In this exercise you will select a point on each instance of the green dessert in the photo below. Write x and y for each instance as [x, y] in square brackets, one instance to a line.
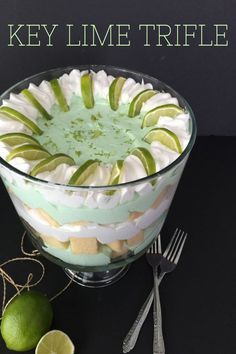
[84, 130]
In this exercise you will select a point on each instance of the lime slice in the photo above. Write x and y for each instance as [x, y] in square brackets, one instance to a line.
[28, 152]
[51, 163]
[168, 110]
[25, 320]
[30, 97]
[13, 139]
[12, 113]
[115, 92]
[165, 137]
[115, 175]
[87, 90]
[83, 172]
[59, 95]
[55, 342]
[146, 158]
[115, 172]
[138, 100]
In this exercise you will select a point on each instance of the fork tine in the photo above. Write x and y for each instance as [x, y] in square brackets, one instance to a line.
[174, 245]
[170, 243]
[155, 246]
[175, 249]
[180, 248]
[159, 243]
[151, 249]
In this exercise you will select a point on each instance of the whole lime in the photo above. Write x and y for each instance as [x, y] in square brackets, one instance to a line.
[25, 320]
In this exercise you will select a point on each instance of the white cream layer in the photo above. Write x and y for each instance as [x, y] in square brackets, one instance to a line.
[104, 234]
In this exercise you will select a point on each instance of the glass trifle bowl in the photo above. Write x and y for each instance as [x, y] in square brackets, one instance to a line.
[93, 230]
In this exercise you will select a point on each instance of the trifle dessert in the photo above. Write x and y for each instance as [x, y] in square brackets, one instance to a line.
[91, 158]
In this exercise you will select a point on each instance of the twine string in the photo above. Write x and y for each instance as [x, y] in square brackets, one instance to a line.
[29, 256]
[33, 253]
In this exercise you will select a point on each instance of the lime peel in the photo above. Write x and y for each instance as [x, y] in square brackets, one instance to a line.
[29, 152]
[51, 163]
[59, 95]
[25, 320]
[12, 113]
[87, 90]
[83, 172]
[115, 92]
[165, 137]
[170, 110]
[13, 139]
[30, 97]
[138, 100]
[115, 175]
[146, 158]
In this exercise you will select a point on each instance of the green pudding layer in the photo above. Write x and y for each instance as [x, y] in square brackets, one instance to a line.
[96, 133]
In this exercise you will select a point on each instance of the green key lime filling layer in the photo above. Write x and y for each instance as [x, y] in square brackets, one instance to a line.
[98, 133]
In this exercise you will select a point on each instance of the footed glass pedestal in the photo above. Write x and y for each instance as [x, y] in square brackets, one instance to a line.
[97, 279]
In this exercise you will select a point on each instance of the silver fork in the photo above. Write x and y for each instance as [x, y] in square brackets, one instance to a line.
[168, 263]
[132, 336]
[153, 256]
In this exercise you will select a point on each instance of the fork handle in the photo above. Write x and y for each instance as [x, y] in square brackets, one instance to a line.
[158, 341]
[132, 336]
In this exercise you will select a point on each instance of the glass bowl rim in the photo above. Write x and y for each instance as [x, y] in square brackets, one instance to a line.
[148, 178]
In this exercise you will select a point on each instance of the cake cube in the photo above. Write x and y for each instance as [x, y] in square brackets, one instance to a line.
[88, 245]
[136, 239]
[115, 254]
[117, 245]
[52, 241]
[135, 215]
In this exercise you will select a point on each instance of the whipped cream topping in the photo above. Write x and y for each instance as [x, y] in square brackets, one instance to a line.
[61, 174]
[8, 125]
[132, 88]
[43, 94]
[101, 84]
[133, 169]
[71, 85]
[20, 104]
[157, 100]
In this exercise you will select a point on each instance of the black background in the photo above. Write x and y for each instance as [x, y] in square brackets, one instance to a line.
[198, 299]
[205, 76]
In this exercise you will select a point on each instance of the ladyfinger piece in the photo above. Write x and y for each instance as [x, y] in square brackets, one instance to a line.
[117, 245]
[87, 245]
[135, 215]
[120, 253]
[136, 239]
[48, 218]
[52, 241]
[79, 223]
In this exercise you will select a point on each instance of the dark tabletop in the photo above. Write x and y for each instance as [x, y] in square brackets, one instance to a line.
[198, 298]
